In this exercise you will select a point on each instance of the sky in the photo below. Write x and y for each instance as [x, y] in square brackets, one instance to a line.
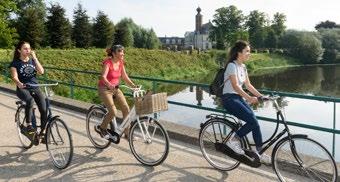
[175, 17]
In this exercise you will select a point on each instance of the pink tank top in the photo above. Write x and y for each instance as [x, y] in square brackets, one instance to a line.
[113, 76]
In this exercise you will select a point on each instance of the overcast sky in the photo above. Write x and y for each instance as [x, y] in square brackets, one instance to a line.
[175, 17]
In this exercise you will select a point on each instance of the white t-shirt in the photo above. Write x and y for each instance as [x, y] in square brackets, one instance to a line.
[234, 69]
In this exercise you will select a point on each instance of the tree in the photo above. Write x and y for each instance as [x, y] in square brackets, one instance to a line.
[8, 34]
[59, 27]
[255, 23]
[31, 26]
[124, 32]
[226, 23]
[144, 38]
[271, 39]
[278, 24]
[103, 30]
[305, 46]
[82, 30]
[331, 43]
[327, 24]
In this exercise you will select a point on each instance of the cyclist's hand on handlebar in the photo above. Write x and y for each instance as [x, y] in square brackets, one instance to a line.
[252, 100]
[263, 98]
[21, 85]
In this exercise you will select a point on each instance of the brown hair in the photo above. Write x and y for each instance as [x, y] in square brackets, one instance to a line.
[16, 54]
[238, 47]
[114, 49]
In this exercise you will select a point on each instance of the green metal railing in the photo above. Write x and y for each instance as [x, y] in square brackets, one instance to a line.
[155, 82]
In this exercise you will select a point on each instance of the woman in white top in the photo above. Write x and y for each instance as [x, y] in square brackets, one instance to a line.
[233, 96]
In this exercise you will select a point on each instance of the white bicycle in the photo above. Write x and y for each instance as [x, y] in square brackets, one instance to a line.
[148, 140]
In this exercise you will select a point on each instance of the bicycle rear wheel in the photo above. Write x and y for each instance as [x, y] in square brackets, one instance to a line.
[20, 120]
[303, 159]
[59, 143]
[149, 141]
[95, 117]
[211, 140]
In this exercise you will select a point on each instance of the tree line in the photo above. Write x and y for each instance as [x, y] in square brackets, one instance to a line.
[320, 46]
[48, 26]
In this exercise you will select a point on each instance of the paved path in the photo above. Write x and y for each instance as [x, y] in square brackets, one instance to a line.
[116, 163]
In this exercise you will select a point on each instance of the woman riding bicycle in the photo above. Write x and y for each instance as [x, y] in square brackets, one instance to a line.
[24, 68]
[233, 96]
[108, 87]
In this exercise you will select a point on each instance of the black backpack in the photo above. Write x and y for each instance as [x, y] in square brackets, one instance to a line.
[216, 87]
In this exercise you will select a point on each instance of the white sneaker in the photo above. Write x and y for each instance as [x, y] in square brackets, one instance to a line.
[235, 146]
[265, 159]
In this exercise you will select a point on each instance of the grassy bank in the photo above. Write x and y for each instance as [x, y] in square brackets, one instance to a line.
[139, 62]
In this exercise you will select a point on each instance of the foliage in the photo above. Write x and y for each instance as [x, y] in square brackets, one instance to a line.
[256, 22]
[327, 24]
[7, 34]
[124, 32]
[58, 27]
[304, 46]
[82, 30]
[103, 30]
[278, 24]
[31, 27]
[331, 43]
[227, 23]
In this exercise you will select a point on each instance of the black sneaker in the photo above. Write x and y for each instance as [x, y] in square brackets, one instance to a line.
[42, 139]
[30, 130]
[102, 132]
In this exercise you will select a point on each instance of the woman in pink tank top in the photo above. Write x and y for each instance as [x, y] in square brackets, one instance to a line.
[108, 87]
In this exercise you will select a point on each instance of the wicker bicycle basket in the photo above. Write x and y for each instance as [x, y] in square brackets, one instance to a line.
[151, 103]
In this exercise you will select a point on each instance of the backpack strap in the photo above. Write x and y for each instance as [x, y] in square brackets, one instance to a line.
[225, 81]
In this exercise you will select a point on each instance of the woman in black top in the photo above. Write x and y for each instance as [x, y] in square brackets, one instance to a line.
[24, 69]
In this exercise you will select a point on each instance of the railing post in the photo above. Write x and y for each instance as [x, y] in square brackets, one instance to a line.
[154, 85]
[334, 126]
[72, 87]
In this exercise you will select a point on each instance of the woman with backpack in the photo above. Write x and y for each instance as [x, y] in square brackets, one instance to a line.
[234, 98]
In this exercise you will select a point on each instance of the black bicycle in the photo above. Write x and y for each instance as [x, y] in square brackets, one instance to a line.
[295, 154]
[57, 136]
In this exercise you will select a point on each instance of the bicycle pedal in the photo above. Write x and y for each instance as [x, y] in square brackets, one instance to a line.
[114, 137]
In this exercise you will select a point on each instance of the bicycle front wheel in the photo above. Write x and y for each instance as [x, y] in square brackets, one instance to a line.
[94, 118]
[212, 139]
[59, 143]
[303, 159]
[149, 141]
[20, 120]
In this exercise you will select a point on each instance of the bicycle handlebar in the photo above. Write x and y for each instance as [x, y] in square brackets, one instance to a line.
[137, 92]
[268, 98]
[42, 85]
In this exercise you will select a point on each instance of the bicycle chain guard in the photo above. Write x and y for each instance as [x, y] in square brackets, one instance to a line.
[250, 158]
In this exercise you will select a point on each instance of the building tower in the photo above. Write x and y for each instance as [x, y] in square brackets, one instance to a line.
[199, 18]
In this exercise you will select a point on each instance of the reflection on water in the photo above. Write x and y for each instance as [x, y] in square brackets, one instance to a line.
[323, 81]
[316, 80]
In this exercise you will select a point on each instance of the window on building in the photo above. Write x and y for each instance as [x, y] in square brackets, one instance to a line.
[173, 41]
[167, 41]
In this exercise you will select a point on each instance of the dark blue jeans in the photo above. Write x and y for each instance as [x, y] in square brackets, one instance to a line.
[29, 96]
[236, 106]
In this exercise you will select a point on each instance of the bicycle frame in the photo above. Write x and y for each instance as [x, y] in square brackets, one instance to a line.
[132, 116]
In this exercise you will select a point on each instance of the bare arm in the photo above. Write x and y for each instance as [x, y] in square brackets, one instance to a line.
[251, 88]
[39, 67]
[103, 76]
[126, 78]
[15, 78]
[240, 91]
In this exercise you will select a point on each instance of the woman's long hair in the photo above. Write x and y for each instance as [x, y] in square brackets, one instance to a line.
[16, 54]
[238, 47]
